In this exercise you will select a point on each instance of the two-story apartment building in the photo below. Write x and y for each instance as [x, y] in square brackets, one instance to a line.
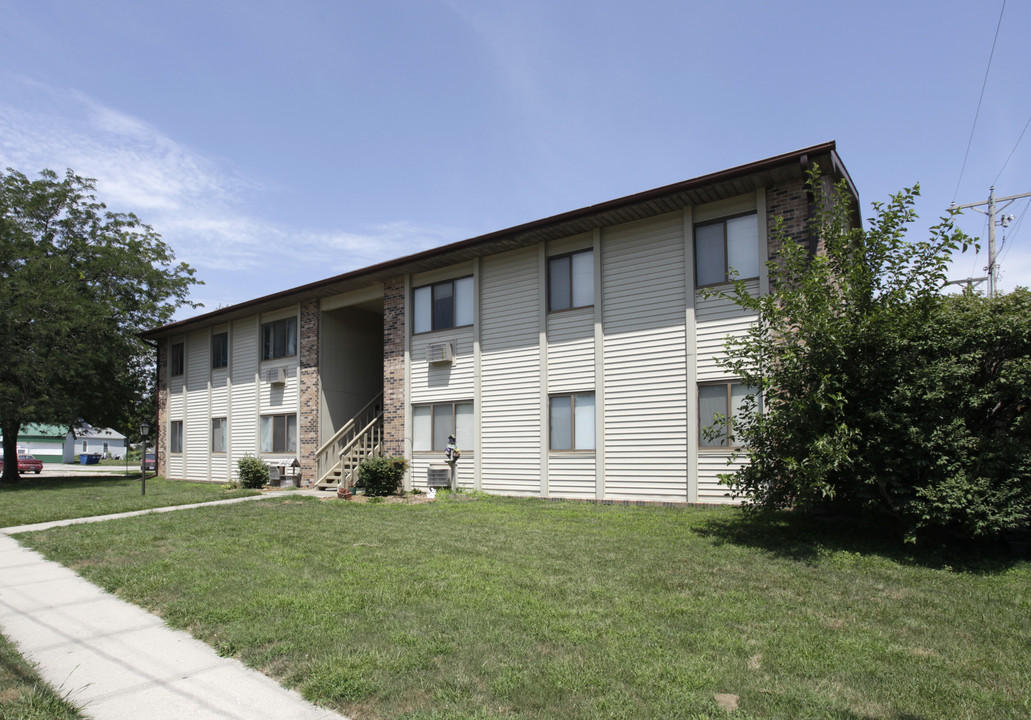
[573, 356]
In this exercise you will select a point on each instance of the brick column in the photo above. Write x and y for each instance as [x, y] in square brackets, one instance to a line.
[308, 422]
[159, 437]
[394, 366]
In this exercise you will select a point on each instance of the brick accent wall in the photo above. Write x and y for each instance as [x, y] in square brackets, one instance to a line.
[308, 430]
[159, 436]
[394, 366]
[790, 202]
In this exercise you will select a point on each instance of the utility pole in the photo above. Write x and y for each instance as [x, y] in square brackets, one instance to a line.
[993, 207]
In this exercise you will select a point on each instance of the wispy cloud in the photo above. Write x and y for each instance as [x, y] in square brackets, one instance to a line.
[201, 206]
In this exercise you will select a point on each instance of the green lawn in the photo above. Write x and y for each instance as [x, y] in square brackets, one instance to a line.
[23, 695]
[476, 607]
[42, 499]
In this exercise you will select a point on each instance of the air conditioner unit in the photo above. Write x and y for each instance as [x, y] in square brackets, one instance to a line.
[442, 352]
[276, 376]
[438, 476]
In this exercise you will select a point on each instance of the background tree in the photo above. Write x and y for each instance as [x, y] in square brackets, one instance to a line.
[77, 285]
[879, 394]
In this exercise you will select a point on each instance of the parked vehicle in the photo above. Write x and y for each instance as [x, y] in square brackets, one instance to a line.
[26, 464]
[150, 462]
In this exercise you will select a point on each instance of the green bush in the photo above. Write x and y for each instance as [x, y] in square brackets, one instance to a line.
[253, 472]
[380, 476]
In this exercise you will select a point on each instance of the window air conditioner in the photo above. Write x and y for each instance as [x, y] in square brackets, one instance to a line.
[277, 376]
[442, 352]
[438, 476]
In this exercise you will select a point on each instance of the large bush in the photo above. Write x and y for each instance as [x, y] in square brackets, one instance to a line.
[380, 476]
[252, 471]
[879, 394]
[958, 422]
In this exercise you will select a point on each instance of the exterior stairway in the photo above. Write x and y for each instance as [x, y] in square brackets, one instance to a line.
[361, 437]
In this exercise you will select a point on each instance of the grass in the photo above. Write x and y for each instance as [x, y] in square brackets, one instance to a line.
[42, 499]
[477, 607]
[23, 695]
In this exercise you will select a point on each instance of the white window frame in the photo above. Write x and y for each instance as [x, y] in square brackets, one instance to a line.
[582, 441]
[220, 360]
[578, 291]
[175, 436]
[268, 338]
[750, 248]
[219, 434]
[273, 418]
[424, 318]
[729, 411]
[436, 444]
[177, 359]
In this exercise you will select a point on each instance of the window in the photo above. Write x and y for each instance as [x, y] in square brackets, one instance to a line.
[725, 245]
[218, 435]
[175, 436]
[178, 359]
[571, 281]
[443, 305]
[279, 433]
[431, 424]
[571, 422]
[220, 350]
[719, 406]
[279, 339]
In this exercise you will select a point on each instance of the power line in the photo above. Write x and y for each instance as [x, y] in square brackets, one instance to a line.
[984, 84]
[1016, 228]
[1013, 150]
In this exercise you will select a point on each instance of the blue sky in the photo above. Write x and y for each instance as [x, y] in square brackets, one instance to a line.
[274, 144]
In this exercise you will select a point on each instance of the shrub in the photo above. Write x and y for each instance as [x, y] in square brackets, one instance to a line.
[380, 476]
[253, 472]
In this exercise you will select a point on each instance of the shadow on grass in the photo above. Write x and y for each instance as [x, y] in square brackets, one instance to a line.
[63, 482]
[807, 538]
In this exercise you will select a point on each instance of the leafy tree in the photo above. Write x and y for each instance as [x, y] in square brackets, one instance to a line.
[77, 284]
[874, 394]
[959, 414]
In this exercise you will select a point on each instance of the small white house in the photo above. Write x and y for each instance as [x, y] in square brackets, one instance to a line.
[94, 441]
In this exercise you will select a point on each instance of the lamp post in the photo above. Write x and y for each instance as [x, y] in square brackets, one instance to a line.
[144, 430]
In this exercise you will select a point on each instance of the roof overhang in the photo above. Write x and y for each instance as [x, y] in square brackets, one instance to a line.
[697, 191]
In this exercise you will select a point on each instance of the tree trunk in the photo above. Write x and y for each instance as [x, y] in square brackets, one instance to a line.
[10, 429]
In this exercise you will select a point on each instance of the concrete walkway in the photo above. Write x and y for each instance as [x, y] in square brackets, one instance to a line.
[119, 662]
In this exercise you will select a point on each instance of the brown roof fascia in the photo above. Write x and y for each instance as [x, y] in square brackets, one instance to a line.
[643, 204]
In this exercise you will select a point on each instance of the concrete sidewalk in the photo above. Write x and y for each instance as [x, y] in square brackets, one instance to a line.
[119, 662]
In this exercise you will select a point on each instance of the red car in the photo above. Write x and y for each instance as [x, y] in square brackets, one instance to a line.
[26, 464]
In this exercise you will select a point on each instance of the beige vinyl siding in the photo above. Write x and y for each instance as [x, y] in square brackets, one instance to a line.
[196, 430]
[243, 425]
[644, 360]
[279, 399]
[441, 382]
[715, 319]
[710, 466]
[571, 475]
[571, 350]
[510, 440]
